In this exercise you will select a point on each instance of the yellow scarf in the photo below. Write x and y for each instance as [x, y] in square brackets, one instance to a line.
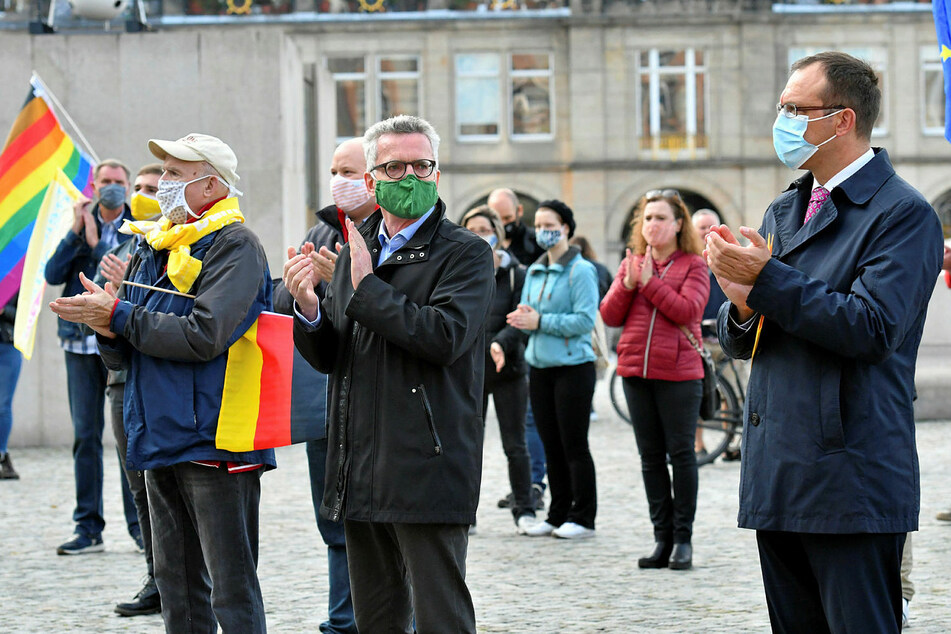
[183, 269]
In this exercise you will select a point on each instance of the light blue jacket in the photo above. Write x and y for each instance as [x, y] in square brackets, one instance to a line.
[565, 294]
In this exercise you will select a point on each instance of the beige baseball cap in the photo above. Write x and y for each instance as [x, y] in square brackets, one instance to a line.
[200, 147]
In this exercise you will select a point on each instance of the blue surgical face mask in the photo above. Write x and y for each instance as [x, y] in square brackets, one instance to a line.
[547, 238]
[789, 139]
[112, 196]
[492, 239]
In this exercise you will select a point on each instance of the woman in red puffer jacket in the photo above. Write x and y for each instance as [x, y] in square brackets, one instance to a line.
[661, 285]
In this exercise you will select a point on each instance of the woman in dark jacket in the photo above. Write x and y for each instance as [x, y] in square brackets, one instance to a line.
[505, 368]
[662, 287]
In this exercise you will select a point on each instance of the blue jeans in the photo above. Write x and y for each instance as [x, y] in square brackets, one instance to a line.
[10, 361]
[86, 382]
[536, 450]
[205, 545]
[339, 602]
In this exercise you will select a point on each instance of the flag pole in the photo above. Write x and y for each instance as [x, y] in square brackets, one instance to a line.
[69, 119]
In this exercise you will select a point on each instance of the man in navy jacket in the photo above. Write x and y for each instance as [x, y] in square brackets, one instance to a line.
[95, 231]
[829, 476]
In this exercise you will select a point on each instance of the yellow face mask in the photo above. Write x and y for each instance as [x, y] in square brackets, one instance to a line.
[144, 206]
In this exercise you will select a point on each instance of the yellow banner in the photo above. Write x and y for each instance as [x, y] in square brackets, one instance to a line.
[52, 223]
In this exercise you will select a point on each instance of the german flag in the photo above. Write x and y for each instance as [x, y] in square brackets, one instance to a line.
[256, 399]
[36, 147]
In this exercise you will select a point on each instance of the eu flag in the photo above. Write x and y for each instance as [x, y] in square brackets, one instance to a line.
[942, 12]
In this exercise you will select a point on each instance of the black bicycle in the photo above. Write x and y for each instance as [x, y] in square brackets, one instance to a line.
[723, 431]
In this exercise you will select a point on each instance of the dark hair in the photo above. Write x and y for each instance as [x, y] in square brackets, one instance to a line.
[563, 210]
[151, 168]
[587, 251]
[688, 240]
[852, 83]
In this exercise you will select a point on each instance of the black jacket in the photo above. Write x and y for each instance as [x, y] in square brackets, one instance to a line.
[307, 402]
[508, 292]
[523, 245]
[406, 356]
[7, 317]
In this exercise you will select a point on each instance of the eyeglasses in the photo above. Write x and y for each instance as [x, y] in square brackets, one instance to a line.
[791, 110]
[395, 169]
[656, 194]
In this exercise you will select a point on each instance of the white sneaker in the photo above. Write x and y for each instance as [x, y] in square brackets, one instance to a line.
[538, 529]
[570, 530]
[905, 612]
[524, 523]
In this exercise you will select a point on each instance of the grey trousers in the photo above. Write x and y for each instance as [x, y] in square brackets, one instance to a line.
[205, 539]
[399, 572]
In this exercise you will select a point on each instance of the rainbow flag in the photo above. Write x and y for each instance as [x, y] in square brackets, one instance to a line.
[52, 223]
[36, 147]
[256, 399]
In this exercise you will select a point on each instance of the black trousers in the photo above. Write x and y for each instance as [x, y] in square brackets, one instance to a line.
[819, 583]
[664, 416]
[561, 401]
[510, 398]
[402, 571]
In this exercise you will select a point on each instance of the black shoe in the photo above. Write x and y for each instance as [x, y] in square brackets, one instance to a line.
[147, 601]
[507, 501]
[538, 497]
[658, 558]
[731, 455]
[7, 472]
[682, 557]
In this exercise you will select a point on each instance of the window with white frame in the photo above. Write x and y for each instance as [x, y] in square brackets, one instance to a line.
[478, 103]
[932, 88]
[398, 88]
[875, 56]
[371, 89]
[528, 102]
[672, 98]
[531, 95]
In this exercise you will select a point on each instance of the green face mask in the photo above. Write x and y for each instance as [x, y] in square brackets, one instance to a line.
[406, 198]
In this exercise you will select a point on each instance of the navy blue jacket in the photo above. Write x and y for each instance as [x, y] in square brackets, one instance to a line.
[176, 348]
[829, 444]
[72, 257]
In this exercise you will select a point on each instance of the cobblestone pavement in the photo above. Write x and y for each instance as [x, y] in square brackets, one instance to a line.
[518, 584]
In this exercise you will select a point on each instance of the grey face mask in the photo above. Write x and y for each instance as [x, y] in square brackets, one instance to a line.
[112, 196]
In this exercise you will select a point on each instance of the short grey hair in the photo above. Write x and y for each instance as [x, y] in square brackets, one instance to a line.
[706, 212]
[400, 124]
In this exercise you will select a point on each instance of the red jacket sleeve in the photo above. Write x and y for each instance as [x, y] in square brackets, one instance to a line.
[617, 302]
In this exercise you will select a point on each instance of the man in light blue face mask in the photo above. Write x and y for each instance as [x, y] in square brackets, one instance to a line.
[829, 302]
[94, 232]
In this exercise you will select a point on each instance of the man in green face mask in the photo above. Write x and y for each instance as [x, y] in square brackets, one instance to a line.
[400, 331]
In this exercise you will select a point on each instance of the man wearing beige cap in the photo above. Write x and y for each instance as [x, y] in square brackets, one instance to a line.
[207, 283]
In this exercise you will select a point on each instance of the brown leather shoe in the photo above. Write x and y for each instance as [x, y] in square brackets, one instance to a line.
[944, 516]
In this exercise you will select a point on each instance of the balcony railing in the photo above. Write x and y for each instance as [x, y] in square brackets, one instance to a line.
[17, 13]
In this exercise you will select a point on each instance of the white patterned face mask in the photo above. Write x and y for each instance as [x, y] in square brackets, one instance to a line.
[348, 194]
[171, 199]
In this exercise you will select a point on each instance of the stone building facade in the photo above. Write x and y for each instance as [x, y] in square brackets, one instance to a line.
[593, 102]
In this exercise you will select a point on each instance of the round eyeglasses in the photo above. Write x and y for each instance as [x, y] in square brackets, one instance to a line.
[791, 110]
[396, 169]
[656, 194]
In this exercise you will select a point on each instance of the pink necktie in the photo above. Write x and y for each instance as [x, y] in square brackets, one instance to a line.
[819, 195]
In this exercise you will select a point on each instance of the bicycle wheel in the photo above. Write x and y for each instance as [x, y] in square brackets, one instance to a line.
[617, 397]
[719, 430]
